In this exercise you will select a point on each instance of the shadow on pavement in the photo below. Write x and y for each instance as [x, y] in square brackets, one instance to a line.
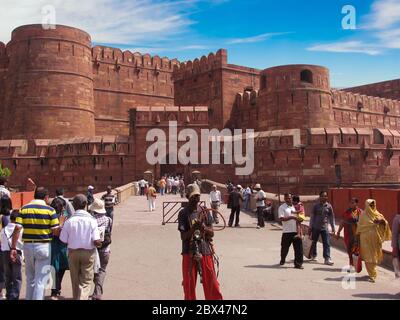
[328, 269]
[273, 266]
[383, 296]
[339, 279]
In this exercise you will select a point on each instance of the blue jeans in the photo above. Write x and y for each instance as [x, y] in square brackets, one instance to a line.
[37, 269]
[247, 203]
[162, 191]
[325, 243]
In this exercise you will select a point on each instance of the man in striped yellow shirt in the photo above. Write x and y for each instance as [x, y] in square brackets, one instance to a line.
[39, 222]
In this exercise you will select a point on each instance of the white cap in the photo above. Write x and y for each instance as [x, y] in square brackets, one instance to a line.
[90, 188]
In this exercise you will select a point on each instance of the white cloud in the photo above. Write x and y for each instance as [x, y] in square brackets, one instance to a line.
[390, 38]
[347, 47]
[380, 27]
[384, 14]
[254, 39]
[108, 21]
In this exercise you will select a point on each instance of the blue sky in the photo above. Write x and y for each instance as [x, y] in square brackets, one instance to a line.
[257, 33]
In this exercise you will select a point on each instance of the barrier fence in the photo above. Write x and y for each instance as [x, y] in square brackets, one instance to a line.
[171, 210]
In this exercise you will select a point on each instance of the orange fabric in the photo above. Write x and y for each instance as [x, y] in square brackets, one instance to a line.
[152, 192]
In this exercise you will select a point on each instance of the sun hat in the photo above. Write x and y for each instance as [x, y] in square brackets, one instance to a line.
[97, 206]
[192, 190]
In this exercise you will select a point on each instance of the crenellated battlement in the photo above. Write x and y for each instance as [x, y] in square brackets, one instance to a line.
[202, 65]
[117, 56]
[386, 89]
[184, 115]
[364, 103]
[247, 99]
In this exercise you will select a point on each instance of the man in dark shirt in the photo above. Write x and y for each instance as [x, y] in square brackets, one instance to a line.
[235, 198]
[110, 201]
[199, 252]
[321, 216]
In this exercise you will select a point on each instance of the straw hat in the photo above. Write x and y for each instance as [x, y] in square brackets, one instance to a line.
[192, 190]
[97, 206]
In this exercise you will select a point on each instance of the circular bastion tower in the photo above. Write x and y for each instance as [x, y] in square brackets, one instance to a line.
[295, 96]
[49, 89]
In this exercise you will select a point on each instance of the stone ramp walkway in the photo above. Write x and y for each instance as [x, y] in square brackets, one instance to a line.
[145, 263]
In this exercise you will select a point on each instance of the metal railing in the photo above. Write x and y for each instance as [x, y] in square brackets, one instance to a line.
[171, 210]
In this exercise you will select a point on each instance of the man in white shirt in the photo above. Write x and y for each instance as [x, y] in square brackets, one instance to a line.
[288, 217]
[82, 236]
[142, 186]
[215, 202]
[260, 203]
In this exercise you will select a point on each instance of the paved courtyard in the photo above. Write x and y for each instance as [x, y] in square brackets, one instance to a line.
[146, 264]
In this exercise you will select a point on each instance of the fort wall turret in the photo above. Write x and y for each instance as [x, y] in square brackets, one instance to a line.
[49, 89]
[295, 96]
[3, 75]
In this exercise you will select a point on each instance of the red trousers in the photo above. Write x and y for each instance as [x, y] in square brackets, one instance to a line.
[210, 282]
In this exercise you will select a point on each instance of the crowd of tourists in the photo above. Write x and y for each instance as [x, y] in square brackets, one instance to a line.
[365, 230]
[51, 237]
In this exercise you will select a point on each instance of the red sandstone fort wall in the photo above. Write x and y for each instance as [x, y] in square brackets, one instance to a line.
[186, 117]
[350, 109]
[71, 163]
[295, 96]
[124, 80]
[386, 89]
[212, 81]
[3, 74]
[49, 84]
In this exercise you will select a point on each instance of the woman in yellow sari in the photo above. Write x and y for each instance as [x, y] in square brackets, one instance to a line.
[373, 230]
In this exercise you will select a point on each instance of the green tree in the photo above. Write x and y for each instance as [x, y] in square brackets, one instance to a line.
[4, 172]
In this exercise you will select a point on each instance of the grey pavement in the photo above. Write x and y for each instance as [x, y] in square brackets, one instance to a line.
[145, 263]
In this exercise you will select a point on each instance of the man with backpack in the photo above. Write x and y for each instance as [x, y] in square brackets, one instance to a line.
[104, 224]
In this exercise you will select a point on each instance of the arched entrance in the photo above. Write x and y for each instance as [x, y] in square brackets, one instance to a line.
[174, 170]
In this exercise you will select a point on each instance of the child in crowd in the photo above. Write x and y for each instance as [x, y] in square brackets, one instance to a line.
[298, 205]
